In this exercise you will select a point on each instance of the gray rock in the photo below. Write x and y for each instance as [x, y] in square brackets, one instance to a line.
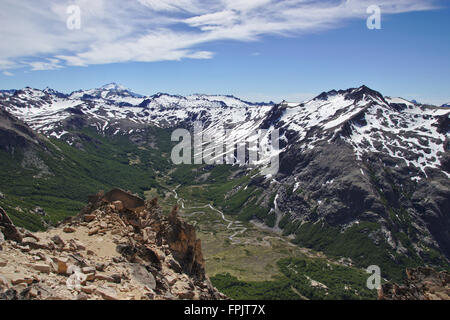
[140, 274]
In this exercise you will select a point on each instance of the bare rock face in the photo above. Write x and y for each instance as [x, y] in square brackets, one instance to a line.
[185, 246]
[422, 284]
[119, 247]
[9, 230]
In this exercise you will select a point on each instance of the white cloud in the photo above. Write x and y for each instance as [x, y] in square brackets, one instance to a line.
[8, 74]
[34, 34]
[49, 64]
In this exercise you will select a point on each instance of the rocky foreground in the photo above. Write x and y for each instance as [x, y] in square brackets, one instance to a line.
[421, 284]
[119, 247]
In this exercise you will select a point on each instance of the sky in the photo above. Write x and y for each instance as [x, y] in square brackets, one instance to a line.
[258, 50]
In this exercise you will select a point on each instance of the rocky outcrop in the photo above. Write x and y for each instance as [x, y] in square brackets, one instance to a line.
[421, 284]
[7, 227]
[112, 250]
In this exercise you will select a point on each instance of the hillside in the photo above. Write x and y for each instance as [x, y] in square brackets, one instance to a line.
[363, 177]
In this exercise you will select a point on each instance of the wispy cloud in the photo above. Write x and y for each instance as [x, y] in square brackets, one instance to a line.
[34, 34]
[8, 74]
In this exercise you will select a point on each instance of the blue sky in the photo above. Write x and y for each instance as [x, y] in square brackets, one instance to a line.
[258, 50]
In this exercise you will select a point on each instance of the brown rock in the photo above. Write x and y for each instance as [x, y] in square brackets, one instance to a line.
[88, 289]
[62, 265]
[18, 279]
[44, 268]
[88, 270]
[69, 230]
[93, 231]
[89, 217]
[104, 277]
[107, 293]
[422, 284]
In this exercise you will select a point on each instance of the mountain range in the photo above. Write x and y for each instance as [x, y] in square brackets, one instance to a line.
[363, 176]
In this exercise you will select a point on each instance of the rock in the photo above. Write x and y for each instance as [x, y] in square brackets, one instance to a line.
[107, 293]
[421, 284]
[82, 297]
[79, 245]
[4, 283]
[185, 246]
[93, 231]
[44, 268]
[103, 225]
[142, 276]
[28, 241]
[88, 289]
[128, 200]
[2, 237]
[39, 211]
[69, 230]
[18, 279]
[58, 241]
[3, 263]
[118, 205]
[10, 232]
[100, 267]
[88, 270]
[89, 217]
[2, 196]
[62, 265]
[104, 277]
[24, 249]
[171, 279]
[183, 290]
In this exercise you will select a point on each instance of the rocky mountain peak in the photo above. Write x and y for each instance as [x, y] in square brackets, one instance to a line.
[118, 247]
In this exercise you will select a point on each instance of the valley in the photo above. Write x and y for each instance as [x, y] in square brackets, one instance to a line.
[363, 180]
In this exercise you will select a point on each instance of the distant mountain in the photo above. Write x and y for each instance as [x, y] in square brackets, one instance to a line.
[362, 175]
[447, 105]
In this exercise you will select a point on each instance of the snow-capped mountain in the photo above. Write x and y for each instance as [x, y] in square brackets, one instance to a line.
[363, 118]
[346, 157]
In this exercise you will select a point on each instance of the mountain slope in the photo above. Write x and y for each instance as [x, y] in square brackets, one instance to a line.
[106, 253]
[362, 175]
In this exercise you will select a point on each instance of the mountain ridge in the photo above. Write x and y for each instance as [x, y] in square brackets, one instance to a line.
[371, 170]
